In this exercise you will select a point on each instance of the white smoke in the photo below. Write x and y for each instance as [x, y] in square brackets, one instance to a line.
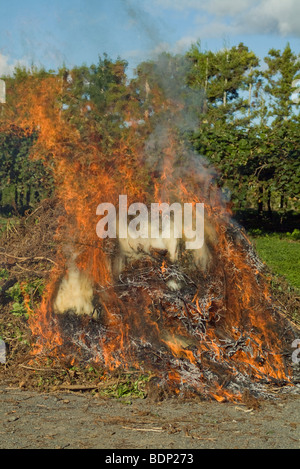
[75, 293]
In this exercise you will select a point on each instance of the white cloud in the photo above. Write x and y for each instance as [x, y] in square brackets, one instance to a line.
[179, 4]
[225, 7]
[213, 6]
[7, 66]
[184, 43]
[243, 16]
[275, 16]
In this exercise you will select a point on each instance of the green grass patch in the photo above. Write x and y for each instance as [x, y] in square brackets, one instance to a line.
[281, 253]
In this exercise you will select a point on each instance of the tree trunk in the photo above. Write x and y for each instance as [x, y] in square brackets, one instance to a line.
[16, 196]
[269, 204]
[249, 97]
[260, 204]
[28, 195]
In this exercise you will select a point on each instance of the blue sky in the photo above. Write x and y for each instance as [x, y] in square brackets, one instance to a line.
[77, 31]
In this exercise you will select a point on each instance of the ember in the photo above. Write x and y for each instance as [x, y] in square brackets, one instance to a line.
[201, 320]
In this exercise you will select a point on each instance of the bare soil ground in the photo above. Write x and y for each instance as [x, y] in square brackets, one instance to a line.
[57, 420]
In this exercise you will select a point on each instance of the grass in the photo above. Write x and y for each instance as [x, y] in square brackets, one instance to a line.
[281, 253]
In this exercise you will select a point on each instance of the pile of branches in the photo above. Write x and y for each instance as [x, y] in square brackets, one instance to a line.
[27, 256]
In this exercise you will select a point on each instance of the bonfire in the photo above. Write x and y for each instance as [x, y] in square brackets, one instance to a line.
[201, 321]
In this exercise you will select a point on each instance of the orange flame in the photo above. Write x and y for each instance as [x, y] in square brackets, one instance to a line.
[224, 320]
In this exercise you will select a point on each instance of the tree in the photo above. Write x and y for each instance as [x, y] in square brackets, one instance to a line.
[223, 75]
[249, 128]
[283, 69]
[24, 181]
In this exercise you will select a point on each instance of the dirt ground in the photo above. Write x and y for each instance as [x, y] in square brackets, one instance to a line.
[58, 420]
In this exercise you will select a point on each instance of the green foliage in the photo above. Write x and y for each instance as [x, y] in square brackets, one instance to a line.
[295, 235]
[251, 135]
[132, 387]
[4, 274]
[283, 68]
[94, 98]
[223, 75]
[18, 306]
[33, 288]
[23, 180]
